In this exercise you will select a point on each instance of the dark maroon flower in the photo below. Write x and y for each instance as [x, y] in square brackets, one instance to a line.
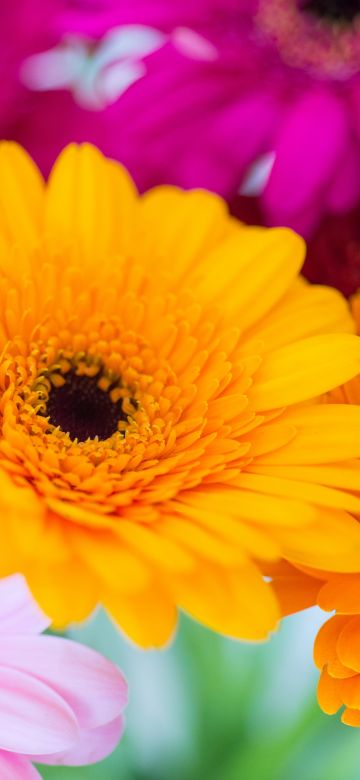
[334, 253]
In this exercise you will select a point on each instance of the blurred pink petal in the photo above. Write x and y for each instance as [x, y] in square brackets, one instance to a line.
[26, 27]
[60, 702]
[91, 747]
[312, 139]
[90, 684]
[19, 614]
[17, 768]
[33, 718]
[239, 136]
[344, 191]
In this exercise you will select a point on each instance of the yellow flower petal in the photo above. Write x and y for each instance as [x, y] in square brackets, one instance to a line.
[114, 565]
[179, 241]
[22, 196]
[251, 286]
[300, 371]
[89, 202]
[346, 476]
[308, 311]
[155, 547]
[292, 488]
[223, 604]
[325, 434]
[149, 617]
[330, 543]
[67, 594]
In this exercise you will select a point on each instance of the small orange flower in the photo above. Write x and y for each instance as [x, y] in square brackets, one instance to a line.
[337, 654]
[162, 437]
[337, 645]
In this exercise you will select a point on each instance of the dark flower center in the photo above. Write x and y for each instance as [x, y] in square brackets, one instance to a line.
[335, 10]
[82, 409]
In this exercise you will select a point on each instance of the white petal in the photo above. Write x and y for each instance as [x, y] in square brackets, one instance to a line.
[258, 175]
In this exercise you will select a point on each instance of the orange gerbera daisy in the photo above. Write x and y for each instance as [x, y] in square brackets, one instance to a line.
[160, 372]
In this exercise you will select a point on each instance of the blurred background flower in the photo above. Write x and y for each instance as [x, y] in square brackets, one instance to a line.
[224, 94]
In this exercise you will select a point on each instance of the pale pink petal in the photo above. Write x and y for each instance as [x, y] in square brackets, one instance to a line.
[92, 746]
[93, 687]
[19, 612]
[14, 767]
[33, 718]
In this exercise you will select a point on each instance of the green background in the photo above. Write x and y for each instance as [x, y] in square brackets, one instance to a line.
[208, 708]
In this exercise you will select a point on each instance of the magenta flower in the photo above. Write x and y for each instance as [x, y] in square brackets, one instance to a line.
[259, 93]
[60, 702]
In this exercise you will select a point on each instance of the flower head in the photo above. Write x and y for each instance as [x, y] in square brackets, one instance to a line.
[272, 92]
[309, 49]
[337, 651]
[337, 645]
[283, 81]
[160, 372]
[60, 703]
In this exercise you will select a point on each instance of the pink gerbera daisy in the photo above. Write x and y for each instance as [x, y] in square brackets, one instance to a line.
[258, 94]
